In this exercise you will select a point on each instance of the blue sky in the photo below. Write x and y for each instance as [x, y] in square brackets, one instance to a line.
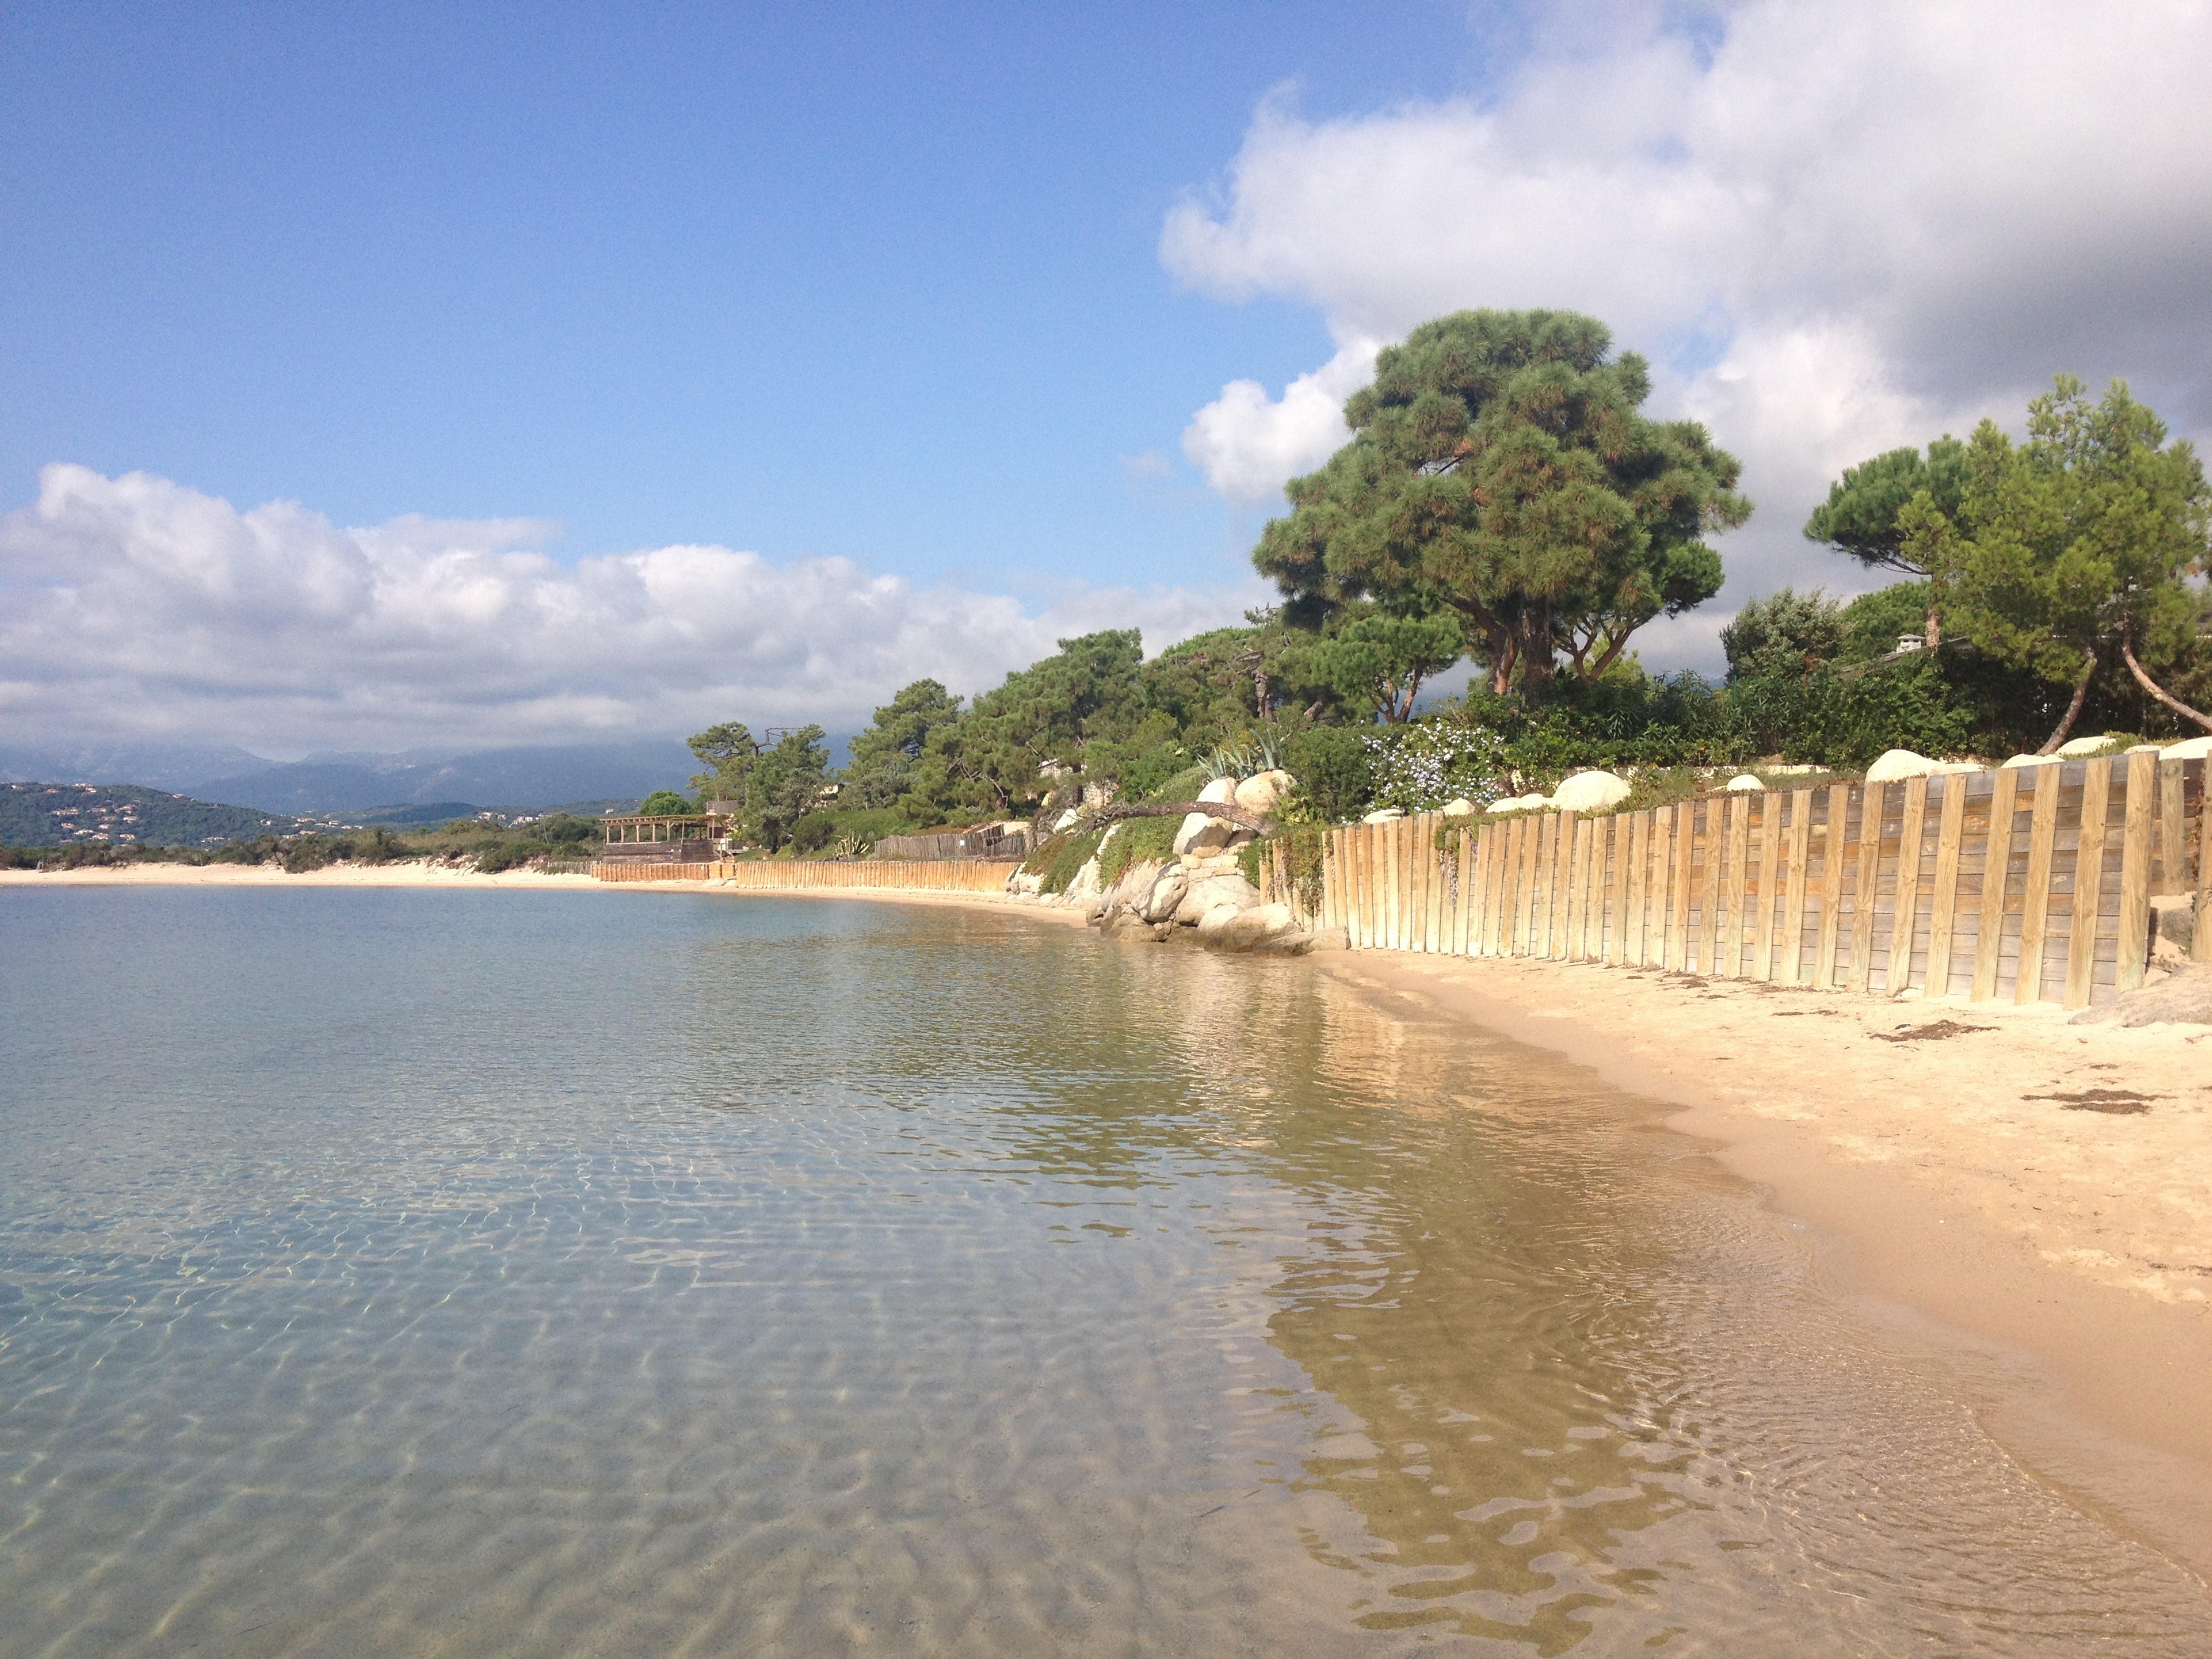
[395, 377]
[878, 282]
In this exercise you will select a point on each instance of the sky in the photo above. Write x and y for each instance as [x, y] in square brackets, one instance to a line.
[392, 377]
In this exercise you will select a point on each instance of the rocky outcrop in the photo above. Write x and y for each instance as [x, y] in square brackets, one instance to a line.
[1589, 791]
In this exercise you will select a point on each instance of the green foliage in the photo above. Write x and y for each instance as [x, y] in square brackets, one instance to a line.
[813, 832]
[56, 814]
[1873, 623]
[1137, 841]
[885, 755]
[1062, 858]
[2079, 540]
[1304, 847]
[1861, 516]
[1375, 661]
[661, 803]
[1500, 469]
[1783, 634]
[1334, 770]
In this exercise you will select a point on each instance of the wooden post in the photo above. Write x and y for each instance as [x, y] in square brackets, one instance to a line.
[2135, 870]
[1943, 903]
[1736, 879]
[1599, 941]
[1440, 882]
[1832, 885]
[1873, 801]
[1996, 864]
[1791, 969]
[2089, 886]
[1770, 867]
[2200, 947]
[2173, 829]
[2035, 895]
[1678, 924]
[1463, 916]
[1905, 910]
[1639, 853]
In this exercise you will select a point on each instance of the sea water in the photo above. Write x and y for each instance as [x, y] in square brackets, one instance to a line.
[404, 1271]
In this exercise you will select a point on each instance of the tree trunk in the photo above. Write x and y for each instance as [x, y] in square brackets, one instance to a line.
[2073, 708]
[1934, 626]
[2128, 656]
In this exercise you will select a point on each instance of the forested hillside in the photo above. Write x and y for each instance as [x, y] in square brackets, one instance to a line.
[64, 814]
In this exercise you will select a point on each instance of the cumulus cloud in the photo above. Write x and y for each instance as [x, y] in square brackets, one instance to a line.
[1247, 443]
[1834, 229]
[137, 607]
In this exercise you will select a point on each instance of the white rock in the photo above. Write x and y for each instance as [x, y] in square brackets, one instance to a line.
[1262, 792]
[1589, 791]
[1165, 894]
[1221, 789]
[1201, 835]
[1941, 767]
[1255, 926]
[1511, 804]
[1898, 763]
[1384, 815]
[1743, 783]
[1207, 894]
[1536, 802]
[2144, 749]
[2075, 747]
[1210, 925]
[2189, 748]
[1065, 820]
[1459, 809]
[1333, 938]
[2032, 760]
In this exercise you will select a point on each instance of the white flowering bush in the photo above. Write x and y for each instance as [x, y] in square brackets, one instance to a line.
[1420, 767]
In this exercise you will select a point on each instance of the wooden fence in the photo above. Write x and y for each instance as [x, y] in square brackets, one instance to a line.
[2030, 884]
[825, 875]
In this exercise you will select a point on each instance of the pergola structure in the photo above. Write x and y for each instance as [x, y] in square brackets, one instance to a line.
[674, 838]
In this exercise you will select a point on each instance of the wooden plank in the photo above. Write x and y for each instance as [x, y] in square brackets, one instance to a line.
[2088, 885]
[1904, 914]
[1563, 848]
[1943, 903]
[2173, 829]
[1574, 854]
[2135, 871]
[1591, 935]
[1736, 930]
[2035, 894]
[1789, 969]
[1463, 921]
[1605, 932]
[1416, 854]
[1639, 852]
[1516, 933]
[1997, 862]
[1440, 841]
[1363, 879]
[1678, 921]
[1486, 888]
[1831, 884]
[1770, 869]
[2200, 948]
[1873, 804]
[1475, 840]
[1434, 877]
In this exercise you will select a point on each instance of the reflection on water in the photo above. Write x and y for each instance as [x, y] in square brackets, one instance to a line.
[483, 1274]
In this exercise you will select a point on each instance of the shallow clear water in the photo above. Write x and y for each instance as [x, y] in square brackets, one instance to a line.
[430, 1272]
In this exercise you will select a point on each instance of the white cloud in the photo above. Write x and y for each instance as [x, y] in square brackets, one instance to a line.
[1246, 444]
[137, 606]
[1836, 229]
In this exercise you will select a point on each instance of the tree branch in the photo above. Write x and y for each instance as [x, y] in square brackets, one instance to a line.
[2073, 708]
[2128, 656]
[1227, 811]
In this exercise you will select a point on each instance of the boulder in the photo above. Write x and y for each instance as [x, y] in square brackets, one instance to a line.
[1067, 820]
[1331, 938]
[2032, 760]
[1384, 815]
[1221, 789]
[1511, 804]
[1254, 927]
[2075, 748]
[1201, 835]
[2188, 749]
[2184, 997]
[1130, 927]
[1743, 783]
[1208, 892]
[1166, 893]
[1896, 764]
[1590, 791]
[1024, 885]
[1262, 791]
[1219, 916]
[1459, 809]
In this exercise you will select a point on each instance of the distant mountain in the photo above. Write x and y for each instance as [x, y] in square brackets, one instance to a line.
[59, 814]
[513, 777]
[151, 765]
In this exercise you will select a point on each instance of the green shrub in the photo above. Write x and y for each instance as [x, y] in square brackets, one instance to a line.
[1137, 841]
[308, 853]
[1072, 853]
[813, 832]
[1334, 770]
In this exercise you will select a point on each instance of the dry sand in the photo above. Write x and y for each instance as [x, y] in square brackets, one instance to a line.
[1964, 1189]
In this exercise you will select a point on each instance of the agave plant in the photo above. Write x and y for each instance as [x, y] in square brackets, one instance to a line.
[854, 846]
[1229, 760]
[1269, 755]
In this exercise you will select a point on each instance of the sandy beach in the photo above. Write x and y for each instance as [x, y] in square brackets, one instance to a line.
[2027, 1201]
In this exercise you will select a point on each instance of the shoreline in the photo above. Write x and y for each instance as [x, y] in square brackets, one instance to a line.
[2055, 1265]
[2053, 1260]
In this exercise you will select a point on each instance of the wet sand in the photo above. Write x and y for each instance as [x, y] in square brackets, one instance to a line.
[2055, 1259]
